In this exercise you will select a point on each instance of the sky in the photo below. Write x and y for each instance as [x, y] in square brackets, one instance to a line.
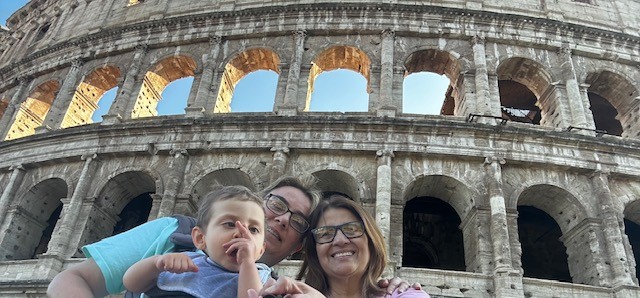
[334, 91]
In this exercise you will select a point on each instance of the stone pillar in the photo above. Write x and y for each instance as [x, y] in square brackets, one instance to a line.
[385, 105]
[506, 281]
[290, 105]
[483, 95]
[576, 106]
[156, 201]
[66, 227]
[478, 255]
[586, 257]
[499, 226]
[280, 157]
[120, 106]
[383, 193]
[197, 109]
[611, 224]
[61, 103]
[14, 105]
[588, 114]
[17, 173]
[176, 177]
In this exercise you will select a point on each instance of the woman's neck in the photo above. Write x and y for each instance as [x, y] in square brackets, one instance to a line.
[345, 287]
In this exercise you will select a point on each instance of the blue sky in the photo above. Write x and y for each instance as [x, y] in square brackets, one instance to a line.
[339, 90]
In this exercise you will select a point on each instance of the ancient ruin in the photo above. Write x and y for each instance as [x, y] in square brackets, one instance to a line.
[526, 185]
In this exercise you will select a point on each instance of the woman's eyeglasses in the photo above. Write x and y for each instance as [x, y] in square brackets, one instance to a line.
[326, 234]
[279, 206]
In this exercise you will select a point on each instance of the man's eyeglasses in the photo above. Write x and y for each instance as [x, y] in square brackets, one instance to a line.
[326, 234]
[279, 206]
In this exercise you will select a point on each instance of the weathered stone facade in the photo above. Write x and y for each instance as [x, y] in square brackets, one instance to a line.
[541, 119]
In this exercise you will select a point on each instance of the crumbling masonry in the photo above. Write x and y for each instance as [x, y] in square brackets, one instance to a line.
[526, 185]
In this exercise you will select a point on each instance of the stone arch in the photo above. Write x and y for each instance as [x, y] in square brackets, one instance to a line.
[547, 216]
[562, 205]
[339, 57]
[85, 99]
[431, 223]
[32, 219]
[238, 67]
[157, 78]
[525, 93]
[33, 110]
[220, 177]
[611, 99]
[439, 62]
[336, 181]
[114, 203]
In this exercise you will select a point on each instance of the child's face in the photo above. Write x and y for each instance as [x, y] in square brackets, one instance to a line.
[222, 228]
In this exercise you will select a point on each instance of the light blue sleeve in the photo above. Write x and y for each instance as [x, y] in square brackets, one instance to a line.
[115, 254]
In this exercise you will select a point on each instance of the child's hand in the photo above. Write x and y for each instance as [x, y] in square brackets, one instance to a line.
[244, 246]
[175, 263]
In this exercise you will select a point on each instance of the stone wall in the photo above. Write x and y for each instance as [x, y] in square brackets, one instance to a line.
[565, 65]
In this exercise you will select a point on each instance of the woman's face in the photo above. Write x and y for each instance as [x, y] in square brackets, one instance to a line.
[342, 257]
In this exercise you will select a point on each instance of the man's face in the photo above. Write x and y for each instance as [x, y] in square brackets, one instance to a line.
[281, 239]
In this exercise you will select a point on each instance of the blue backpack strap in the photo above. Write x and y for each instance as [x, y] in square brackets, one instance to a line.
[182, 235]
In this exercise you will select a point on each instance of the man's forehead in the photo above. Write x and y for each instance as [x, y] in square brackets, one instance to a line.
[295, 198]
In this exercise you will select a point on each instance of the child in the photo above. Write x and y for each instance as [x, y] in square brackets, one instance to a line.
[230, 231]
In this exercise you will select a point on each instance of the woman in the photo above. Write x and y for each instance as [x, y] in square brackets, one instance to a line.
[344, 255]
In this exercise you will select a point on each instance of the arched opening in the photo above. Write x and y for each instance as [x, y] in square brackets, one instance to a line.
[256, 92]
[223, 177]
[543, 254]
[174, 97]
[518, 103]
[612, 98]
[32, 220]
[604, 115]
[48, 232]
[134, 213]
[33, 110]
[241, 65]
[523, 85]
[429, 83]
[431, 235]
[632, 230]
[334, 181]
[157, 79]
[344, 58]
[123, 196]
[88, 94]
[104, 104]
[339, 90]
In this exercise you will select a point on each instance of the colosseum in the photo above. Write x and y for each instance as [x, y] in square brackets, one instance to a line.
[527, 183]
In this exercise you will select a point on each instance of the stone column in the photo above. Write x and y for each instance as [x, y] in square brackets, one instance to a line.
[385, 107]
[14, 105]
[156, 201]
[611, 224]
[123, 99]
[576, 107]
[383, 193]
[176, 177]
[588, 114]
[507, 282]
[17, 173]
[290, 105]
[280, 157]
[61, 103]
[499, 226]
[197, 109]
[483, 95]
[66, 227]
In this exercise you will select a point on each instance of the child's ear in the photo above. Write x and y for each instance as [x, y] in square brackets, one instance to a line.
[198, 238]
